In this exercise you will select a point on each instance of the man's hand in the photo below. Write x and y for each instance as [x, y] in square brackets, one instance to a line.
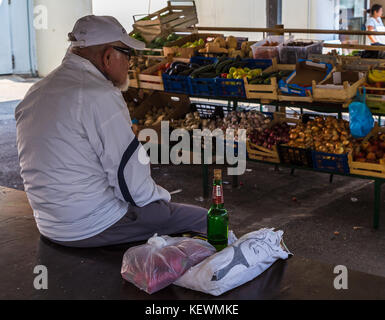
[135, 129]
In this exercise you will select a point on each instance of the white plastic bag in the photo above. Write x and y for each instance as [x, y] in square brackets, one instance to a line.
[162, 260]
[237, 264]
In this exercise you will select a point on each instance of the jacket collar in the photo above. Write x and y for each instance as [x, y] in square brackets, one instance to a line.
[71, 58]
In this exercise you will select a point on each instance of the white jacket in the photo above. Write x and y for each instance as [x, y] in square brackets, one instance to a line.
[78, 155]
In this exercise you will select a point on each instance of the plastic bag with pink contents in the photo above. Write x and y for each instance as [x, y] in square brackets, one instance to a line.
[158, 263]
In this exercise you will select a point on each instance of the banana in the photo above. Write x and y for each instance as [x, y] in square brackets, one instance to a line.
[376, 76]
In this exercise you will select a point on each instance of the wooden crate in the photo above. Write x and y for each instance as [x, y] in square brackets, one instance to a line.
[262, 154]
[174, 48]
[293, 98]
[147, 79]
[376, 103]
[326, 58]
[336, 93]
[259, 153]
[358, 64]
[178, 102]
[375, 99]
[262, 91]
[267, 92]
[364, 168]
[166, 20]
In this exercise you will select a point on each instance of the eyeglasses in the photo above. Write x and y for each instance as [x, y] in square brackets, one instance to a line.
[127, 51]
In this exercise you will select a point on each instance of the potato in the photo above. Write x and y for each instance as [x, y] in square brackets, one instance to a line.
[148, 122]
[231, 42]
[230, 51]
[236, 53]
[221, 41]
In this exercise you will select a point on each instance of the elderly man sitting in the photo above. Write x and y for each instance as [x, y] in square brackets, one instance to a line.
[80, 160]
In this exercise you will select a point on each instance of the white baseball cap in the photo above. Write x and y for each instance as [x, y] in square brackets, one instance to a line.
[95, 30]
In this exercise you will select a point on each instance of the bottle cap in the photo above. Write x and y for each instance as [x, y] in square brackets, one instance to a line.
[217, 174]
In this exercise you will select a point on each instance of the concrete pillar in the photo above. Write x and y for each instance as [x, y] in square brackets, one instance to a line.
[273, 13]
[53, 20]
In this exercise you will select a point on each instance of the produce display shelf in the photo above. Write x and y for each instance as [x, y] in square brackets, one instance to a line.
[320, 107]
[333, 104]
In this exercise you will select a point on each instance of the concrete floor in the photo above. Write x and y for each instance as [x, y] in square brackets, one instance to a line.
[264, 198]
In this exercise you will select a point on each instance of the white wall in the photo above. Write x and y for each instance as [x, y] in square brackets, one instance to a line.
[230, 13]
[296, 15]
[220, 13]
[309, 14]
[324, 15]
[124, 10]
[51, 43]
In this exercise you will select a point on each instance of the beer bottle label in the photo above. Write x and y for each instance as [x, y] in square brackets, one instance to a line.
[218, 195]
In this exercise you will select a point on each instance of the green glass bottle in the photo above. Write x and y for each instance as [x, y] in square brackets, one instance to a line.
[217, 217]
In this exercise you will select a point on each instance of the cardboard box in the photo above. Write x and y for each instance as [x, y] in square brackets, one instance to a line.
[300, 82]
[308, 71]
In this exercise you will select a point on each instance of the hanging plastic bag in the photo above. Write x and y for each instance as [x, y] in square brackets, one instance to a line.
[162, 260]
[237, 264]
[361, 119]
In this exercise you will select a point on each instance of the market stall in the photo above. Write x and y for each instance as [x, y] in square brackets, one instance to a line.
[285, 73]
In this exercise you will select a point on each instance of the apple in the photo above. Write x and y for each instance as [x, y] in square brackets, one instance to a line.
[371, 156]
[365, 145]
[373, 148]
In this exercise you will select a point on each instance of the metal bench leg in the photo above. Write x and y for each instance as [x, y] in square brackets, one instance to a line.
[235, 181]
[205, 180]
[377, 203]
[292, 171]
[331, 178]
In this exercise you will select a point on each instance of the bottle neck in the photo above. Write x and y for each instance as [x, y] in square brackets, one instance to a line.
[218, 194]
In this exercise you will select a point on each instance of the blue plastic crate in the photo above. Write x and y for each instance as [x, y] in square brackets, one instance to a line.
[295, 156]
[176, 84]
[258, 63]
[251, 63]
[204, 87]
[330, 162]
[203, 61]
[219, 87]
[231, 88]
[294, 89]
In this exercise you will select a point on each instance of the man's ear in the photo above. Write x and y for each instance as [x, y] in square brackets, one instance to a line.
[106, 58]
